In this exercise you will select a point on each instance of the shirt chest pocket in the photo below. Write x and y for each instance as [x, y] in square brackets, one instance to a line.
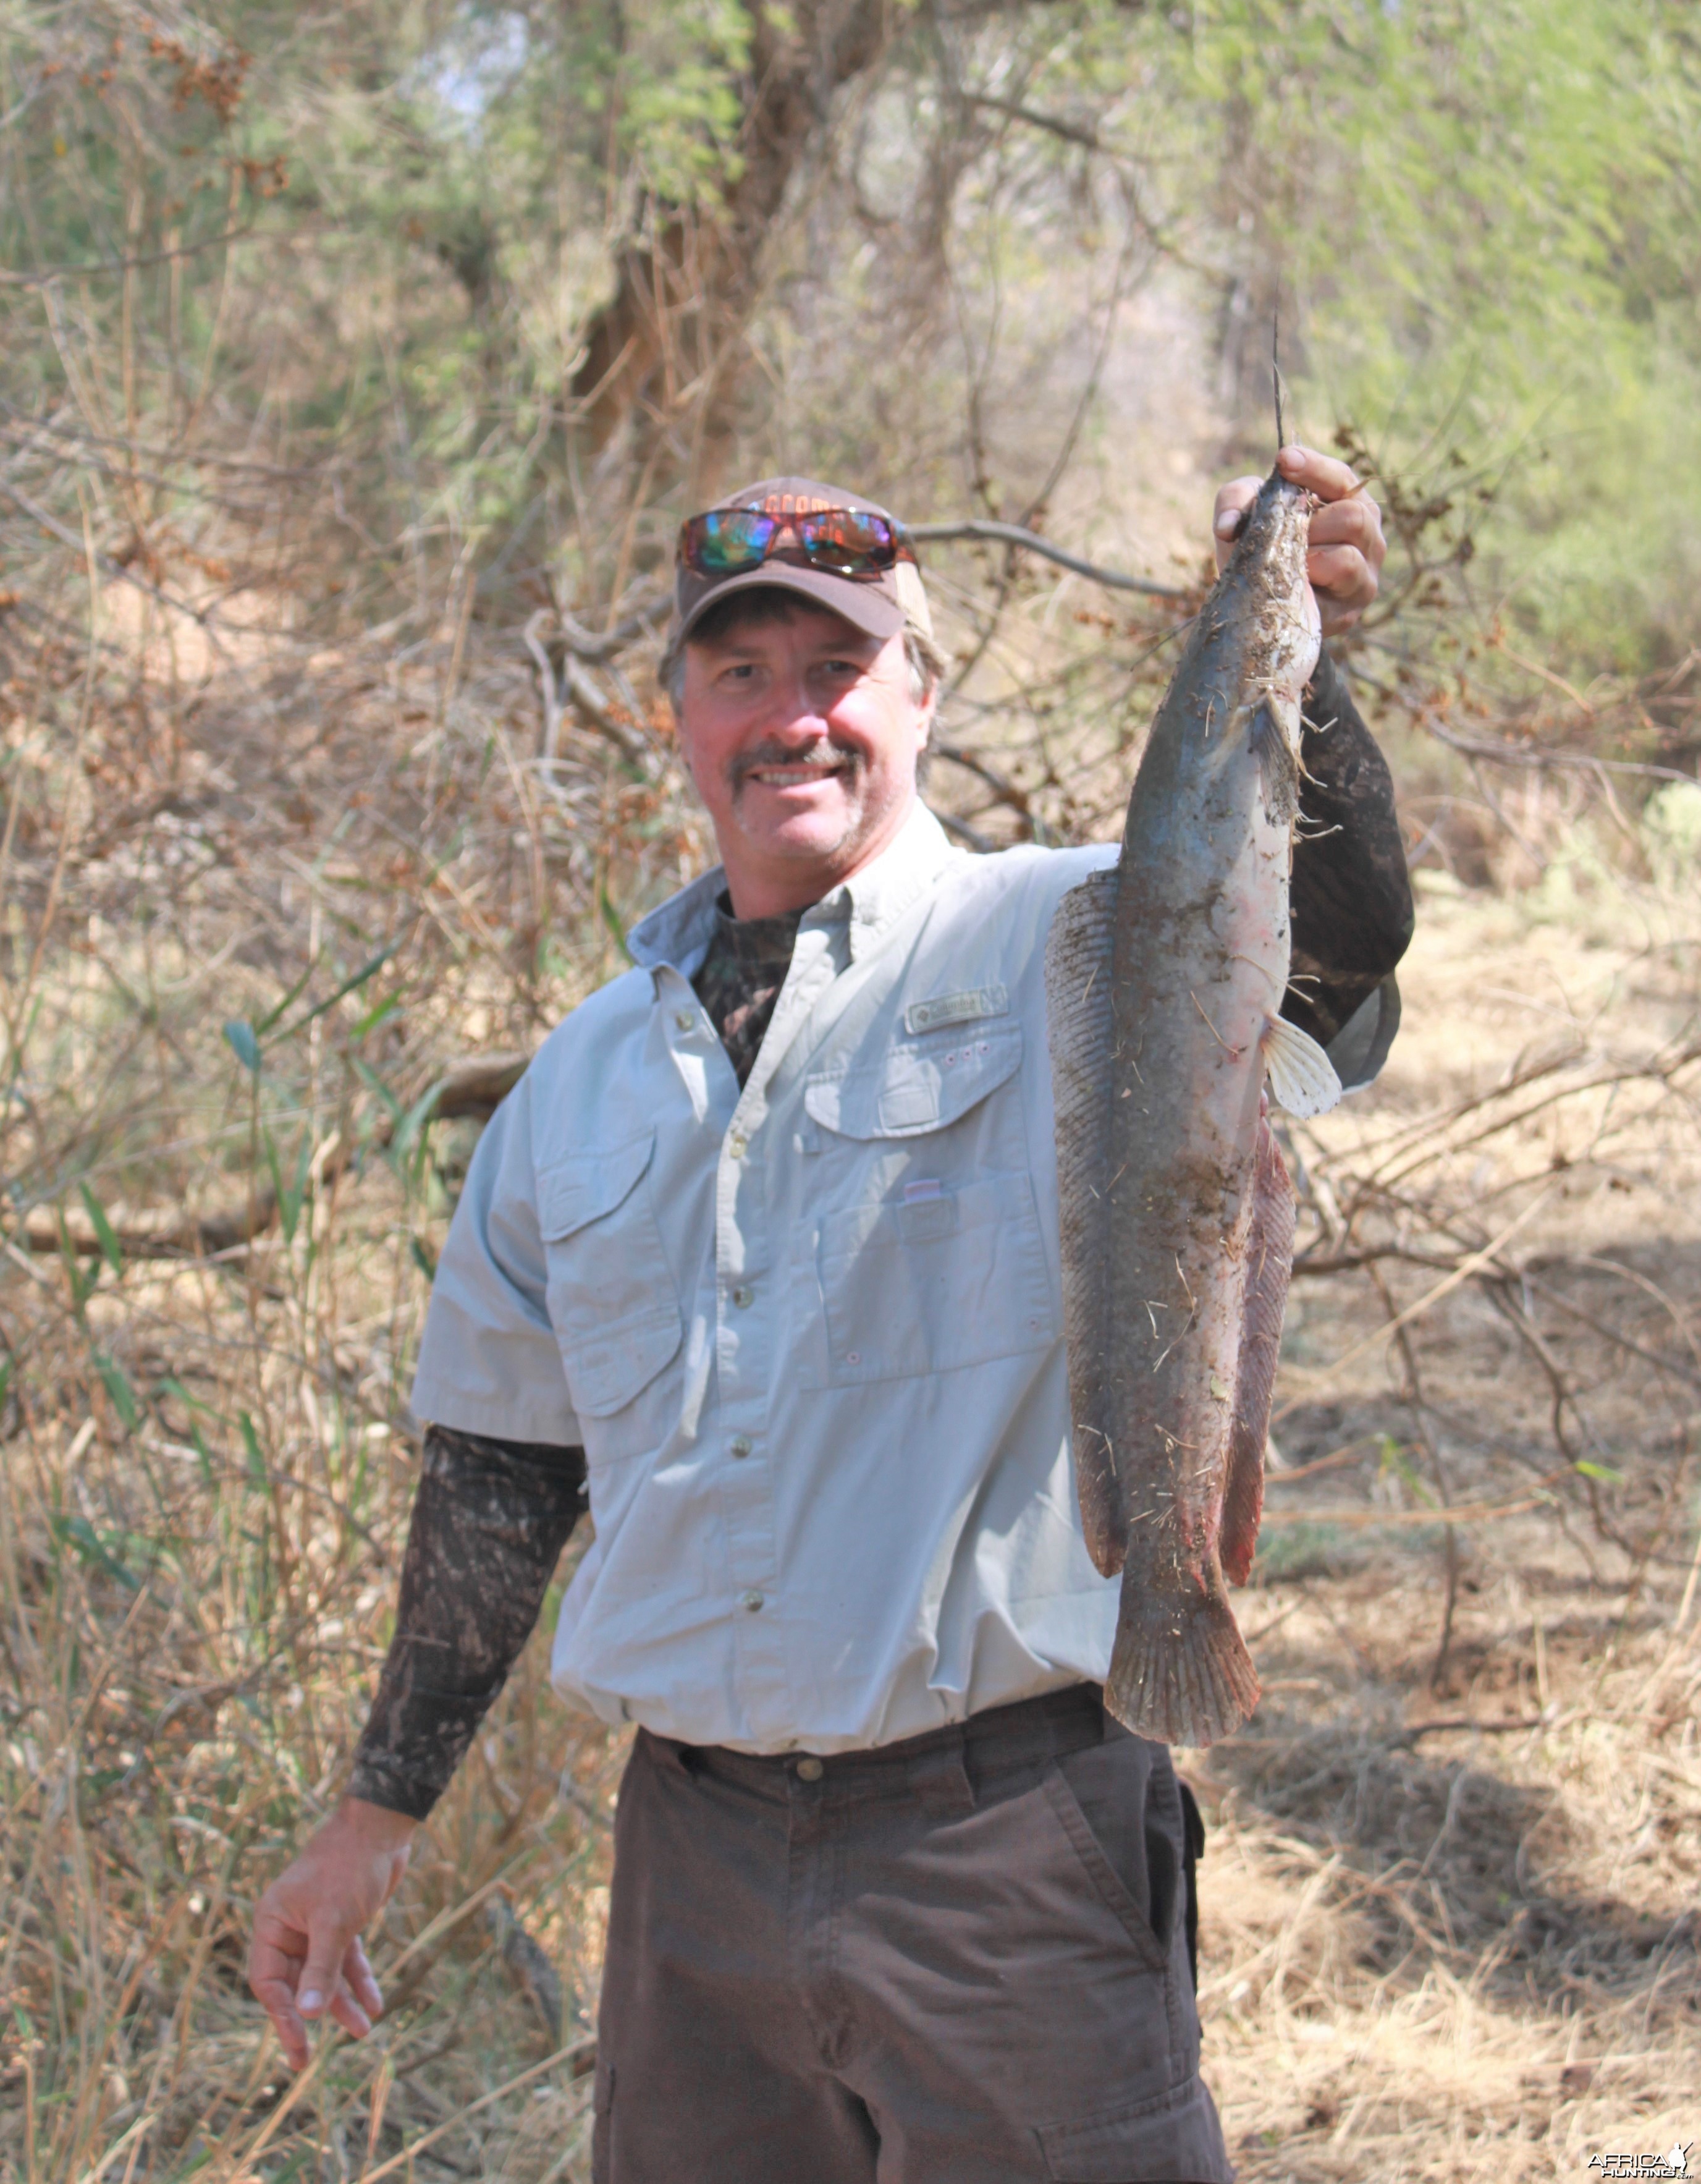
[933, 1260]
[611, 1295]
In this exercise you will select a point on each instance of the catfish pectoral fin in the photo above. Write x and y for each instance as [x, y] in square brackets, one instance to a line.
[1180, 1673]
[1302, 1077]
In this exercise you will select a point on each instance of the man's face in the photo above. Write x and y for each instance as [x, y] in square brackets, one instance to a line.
[802, 737]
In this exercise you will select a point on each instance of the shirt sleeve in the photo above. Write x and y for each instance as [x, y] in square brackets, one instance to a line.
[1350, 900]
[488, 1359]
[489, 1523]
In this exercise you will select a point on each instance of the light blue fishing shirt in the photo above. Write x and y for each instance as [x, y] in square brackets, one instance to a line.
[811, 1333]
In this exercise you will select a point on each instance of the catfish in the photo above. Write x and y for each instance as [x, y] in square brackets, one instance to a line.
[1164, 978]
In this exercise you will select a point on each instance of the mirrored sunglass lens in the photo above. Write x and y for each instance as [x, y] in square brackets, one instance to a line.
[733, 540]
[846, 539]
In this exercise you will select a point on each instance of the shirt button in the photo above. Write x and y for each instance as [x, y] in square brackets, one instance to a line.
[742, 1297]
[684, 1019]
[735, 1145]
[741, 1444]
[810, 1770]
[753, 1600]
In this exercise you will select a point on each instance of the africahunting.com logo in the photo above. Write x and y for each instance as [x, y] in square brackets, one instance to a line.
[1673, 2162]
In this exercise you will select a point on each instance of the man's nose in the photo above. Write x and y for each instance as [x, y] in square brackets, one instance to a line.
[793, 712]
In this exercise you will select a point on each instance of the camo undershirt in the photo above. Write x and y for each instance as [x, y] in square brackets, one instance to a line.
[492, 1517]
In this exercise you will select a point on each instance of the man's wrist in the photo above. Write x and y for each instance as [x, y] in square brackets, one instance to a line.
[382, 1824]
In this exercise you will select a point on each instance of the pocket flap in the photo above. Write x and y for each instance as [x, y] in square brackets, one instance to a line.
[585, 1186]
[914, 1089]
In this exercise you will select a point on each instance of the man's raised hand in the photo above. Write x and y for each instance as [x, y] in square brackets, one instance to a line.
[306, 1959]
[1348, 547]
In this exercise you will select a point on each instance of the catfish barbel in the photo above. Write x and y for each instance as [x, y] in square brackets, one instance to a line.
[1164, 978]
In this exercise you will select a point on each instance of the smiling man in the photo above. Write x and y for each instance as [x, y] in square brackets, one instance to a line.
[763, 1253]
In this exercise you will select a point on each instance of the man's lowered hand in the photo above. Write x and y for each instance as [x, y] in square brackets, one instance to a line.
[306, 1959]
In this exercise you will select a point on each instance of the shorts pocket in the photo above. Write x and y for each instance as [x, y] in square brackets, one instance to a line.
[1116, 1889]
[610, 1292]
[1177, 2137]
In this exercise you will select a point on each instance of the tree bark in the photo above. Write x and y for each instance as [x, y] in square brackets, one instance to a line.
[665, 351]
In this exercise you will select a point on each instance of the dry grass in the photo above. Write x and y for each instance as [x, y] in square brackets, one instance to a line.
[1431, 1948]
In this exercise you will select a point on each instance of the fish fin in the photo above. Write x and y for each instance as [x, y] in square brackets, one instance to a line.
[1180, 1672]
[1302, 1077]
[1082, 1035]
[1270, 1261]
[1275, 743]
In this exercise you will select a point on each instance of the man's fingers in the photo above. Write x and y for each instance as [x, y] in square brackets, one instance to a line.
[1232, 502]
[1323, 475]
[348, 2013]
[1355, 523]
[327, 1945]
[357, 1971]
[275, 1995]
[1343, 573]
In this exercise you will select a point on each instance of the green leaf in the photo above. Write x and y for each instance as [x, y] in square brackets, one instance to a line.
[257, 1477]
[381, 1014]
[266, 1022]
[422, 1258]
[375, 1083]
[123, 1395]
[290, 1195]
[244, 1045]
[93, 1553]
[1599, 1471]
[611, 918]
[104, 1233]
[170, 1385]
[349, 986]
[413, 1122]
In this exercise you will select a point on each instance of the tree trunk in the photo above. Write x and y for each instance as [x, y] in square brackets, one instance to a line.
[665, 351]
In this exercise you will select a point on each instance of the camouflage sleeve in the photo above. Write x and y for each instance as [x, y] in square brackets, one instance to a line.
[1350, 900]
[490, 1520]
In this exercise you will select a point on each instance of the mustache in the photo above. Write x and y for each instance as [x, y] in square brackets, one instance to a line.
[824, 757]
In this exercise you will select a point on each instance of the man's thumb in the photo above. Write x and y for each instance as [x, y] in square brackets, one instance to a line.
[327, 1942]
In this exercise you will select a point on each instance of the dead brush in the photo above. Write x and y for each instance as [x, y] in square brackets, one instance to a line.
[229, 1136]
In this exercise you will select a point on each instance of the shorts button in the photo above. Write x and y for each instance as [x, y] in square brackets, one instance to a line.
[752, 1601]
[742, 1297]
[741, 1444]
[810, 1770]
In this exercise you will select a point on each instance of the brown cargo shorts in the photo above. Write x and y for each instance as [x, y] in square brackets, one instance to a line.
[961, 1959]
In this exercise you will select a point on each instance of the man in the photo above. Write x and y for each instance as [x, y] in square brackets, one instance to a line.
[765, 1242]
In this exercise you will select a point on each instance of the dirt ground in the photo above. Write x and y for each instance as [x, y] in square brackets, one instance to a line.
[1451, 1914]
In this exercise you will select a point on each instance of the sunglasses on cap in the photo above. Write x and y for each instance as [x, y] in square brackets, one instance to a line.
[839, 541]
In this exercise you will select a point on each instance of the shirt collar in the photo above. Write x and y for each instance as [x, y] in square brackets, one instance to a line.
[678, 931]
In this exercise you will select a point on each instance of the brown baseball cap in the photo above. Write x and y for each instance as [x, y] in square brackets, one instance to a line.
[879, 605]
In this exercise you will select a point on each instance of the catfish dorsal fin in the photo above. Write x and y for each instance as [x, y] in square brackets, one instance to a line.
[1302, 1077]
[1080, 1033]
